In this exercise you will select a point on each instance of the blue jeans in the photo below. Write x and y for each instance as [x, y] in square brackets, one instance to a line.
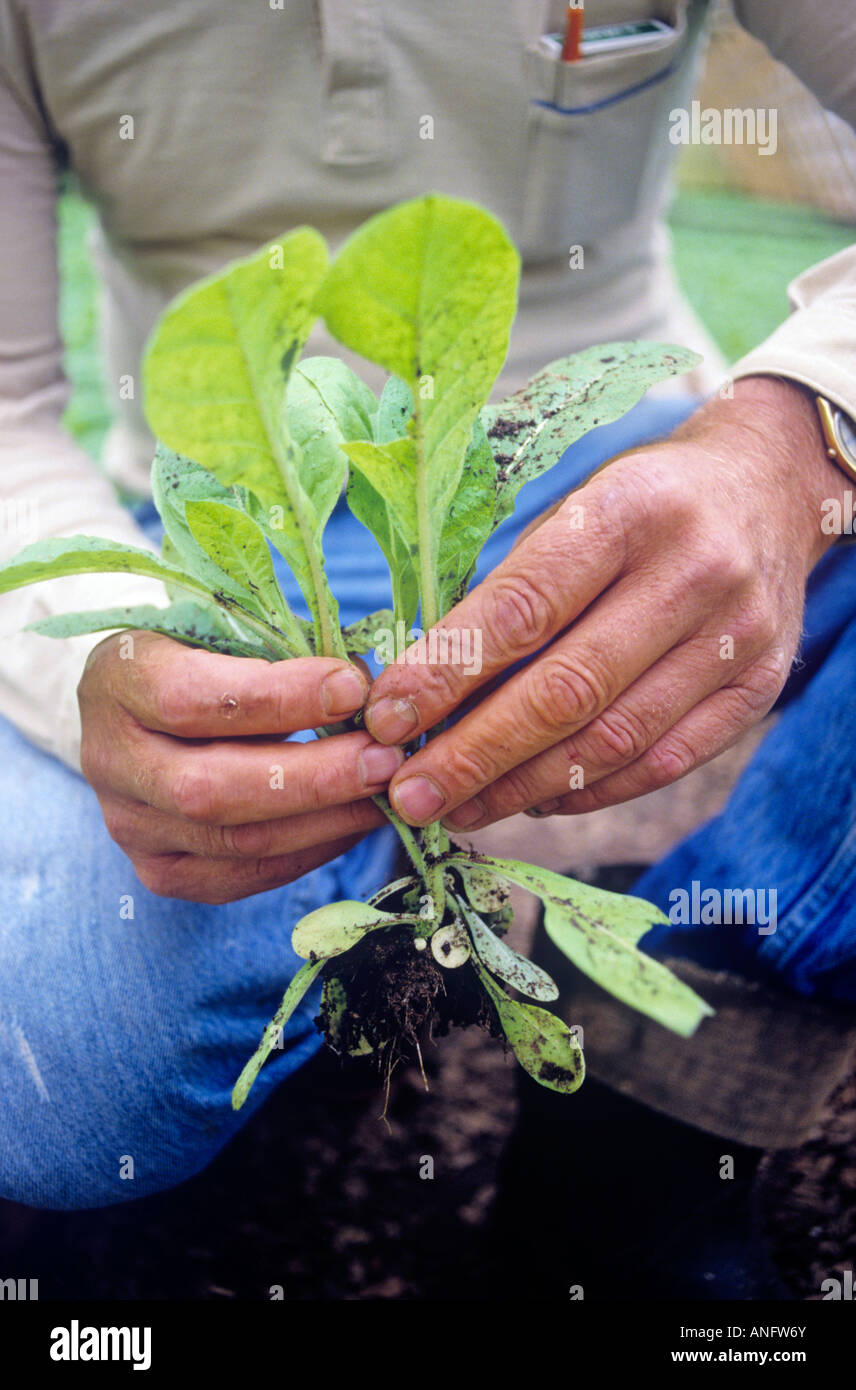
[125, 1018]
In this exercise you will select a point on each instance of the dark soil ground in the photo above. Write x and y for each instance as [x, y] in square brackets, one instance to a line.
[319, 1196]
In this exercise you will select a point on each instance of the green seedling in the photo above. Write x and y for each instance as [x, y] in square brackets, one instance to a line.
[255, 447]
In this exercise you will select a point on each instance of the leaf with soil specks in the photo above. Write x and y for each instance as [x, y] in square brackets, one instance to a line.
[216, 377]
[362, 637]
[486, 890]
[187, 622]
[543, 1045]
[501, 960]
[530, 431]
[273, 1033]
[336, 927]
[598, 931]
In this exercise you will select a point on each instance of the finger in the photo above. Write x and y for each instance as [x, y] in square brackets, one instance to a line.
[226, 880]
[142, 830]
[229, 783]
[192, 693]
[533, 594]
[569, 685]
[708, 730]
[618, 736]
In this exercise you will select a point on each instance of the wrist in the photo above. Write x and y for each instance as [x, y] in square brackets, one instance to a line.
[771, 429]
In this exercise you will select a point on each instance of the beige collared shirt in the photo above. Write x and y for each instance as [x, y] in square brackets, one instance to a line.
[201, 128]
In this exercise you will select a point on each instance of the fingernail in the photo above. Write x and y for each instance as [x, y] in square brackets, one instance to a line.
[466, 816]
[545, 809]
[378, 764]
[342, 692]
[390, 721]
[418, 798]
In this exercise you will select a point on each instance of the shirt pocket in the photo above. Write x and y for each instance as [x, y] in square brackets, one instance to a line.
[597, 140]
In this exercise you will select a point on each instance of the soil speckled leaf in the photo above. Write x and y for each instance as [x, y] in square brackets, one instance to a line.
[216, 380]
[239, 547]
[543, 1045]
[272, 1034]
[598, 931]
[186, 622]
[336, 927]
[530, 431]
[361, 637]
[499, 958]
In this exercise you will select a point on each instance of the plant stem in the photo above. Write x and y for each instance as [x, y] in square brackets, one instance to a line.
[427, 579]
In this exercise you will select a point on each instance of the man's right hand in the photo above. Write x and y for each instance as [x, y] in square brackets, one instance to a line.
[184, 750]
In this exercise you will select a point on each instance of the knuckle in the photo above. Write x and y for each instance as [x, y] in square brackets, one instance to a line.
[656, 493]
[250, 840]
[757, 625]
[466, 767]
[119, 822]
[274, 872]
[158, 875]
[670, 759]
[192, 793]
[566, 692]
[519, 612]
[762, 684]
[614, 738]
[719, 567]
[94, 759]
[173, 703]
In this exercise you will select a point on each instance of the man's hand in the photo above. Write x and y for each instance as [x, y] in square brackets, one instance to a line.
[184, 750]
[665, 625]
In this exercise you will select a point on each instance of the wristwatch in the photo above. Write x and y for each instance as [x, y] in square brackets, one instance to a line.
[839, 434]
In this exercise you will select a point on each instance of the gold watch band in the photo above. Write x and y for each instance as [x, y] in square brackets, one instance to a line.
[835, 448]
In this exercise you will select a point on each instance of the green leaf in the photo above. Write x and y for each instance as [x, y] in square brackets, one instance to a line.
[530, 431]
[327, 406]
[175, 481]
[370, 507]
[272, 1034]
[501, 960]
[187, 622]
[216, 378]
[62, 555]
[361, 637]
[469, 521]
[336, 927]
[486, 890]
[598, 931]
[334, 1002]
[428, 290]
[239, 548]
[543, 1045]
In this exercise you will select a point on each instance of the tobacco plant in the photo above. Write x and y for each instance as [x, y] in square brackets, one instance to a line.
[255, 448]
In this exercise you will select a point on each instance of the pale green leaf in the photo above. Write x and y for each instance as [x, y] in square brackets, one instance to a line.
[486, 890]
[598, 931]
[62, 555]
[175, 481]
[469, 522]
[271, 1038]
[185, 621]
[428, 290]
[389, 422]
[499, 958]
[530, 431]
[543, 1045]
[361, 637]
[336, 927]
[216, 379]
[334, 1002]
[239, 548]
